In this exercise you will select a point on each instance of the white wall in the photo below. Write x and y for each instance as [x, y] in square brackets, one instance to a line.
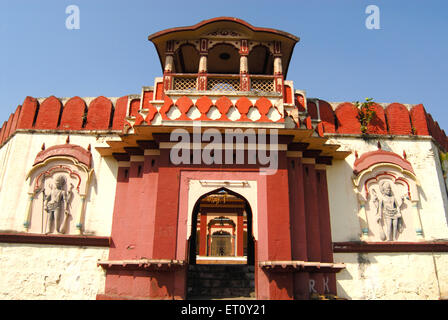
[30, 272]
[390, 275]
[17, 158]
[397, 276]
[421, 153]
[33, 271]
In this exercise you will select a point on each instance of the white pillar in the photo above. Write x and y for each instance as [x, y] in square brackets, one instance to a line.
[169, 64]
[29, 207]
[244, 66]
[81, 211]
[416, 220]
[203, 64]
[278, 65]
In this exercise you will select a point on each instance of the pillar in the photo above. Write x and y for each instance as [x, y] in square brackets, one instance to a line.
[209, 240]
[244, 66]
[240, 234]
[278, 226]
[165, 222]
[169, 66]
[298, 222]
[278, 69]
[203, 234]
[326, 243]
[316, 283]
[202, 69]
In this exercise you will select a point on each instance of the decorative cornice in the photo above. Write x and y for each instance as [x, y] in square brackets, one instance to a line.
[301, 266]
[143, 264]
[372, 158]
[360, 246]
[53, 239]
[67, 150]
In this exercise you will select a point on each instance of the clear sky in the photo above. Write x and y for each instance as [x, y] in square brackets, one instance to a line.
[337, 59]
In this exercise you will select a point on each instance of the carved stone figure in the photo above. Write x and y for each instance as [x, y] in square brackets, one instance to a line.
[56, 204]
[388, 210]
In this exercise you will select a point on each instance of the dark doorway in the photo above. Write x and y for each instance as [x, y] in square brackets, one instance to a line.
[246, 234]
[221, 248]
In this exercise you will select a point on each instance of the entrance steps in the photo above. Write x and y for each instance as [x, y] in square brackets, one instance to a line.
[217, 281]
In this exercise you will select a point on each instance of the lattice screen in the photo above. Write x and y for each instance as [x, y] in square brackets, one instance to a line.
[223, 84]
[184, 84]
[262, 85]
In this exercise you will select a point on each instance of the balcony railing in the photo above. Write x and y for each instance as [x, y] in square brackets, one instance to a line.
[224, 83]
[262, 84]
[184, 83]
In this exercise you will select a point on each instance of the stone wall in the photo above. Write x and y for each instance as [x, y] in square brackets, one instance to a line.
[397, 276]
[31, 272]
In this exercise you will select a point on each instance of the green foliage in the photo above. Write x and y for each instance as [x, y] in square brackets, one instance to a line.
[365, 113]
[443, 156]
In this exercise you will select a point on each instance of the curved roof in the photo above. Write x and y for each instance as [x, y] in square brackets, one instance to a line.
[69, 150]
[158, 34]
[371, 158]
[244, 30]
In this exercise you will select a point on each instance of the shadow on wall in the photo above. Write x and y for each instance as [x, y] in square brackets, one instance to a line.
[343, 202]
[363, 261]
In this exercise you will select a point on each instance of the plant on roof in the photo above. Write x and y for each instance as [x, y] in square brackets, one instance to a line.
[365, 113]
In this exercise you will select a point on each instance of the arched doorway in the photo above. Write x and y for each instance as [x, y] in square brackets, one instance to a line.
[221, 247]
[221, 244]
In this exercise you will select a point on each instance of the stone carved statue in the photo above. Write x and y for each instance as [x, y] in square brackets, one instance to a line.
[56, 204]
[388, 211]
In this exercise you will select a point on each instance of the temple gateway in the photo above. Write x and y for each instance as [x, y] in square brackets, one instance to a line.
[222, 179]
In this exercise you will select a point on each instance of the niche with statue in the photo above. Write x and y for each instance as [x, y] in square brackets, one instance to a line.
[388, 197]
[58, 184]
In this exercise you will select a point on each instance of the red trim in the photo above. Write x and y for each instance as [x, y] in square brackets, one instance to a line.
[301, 266]
[230, 19]
[203, 235]
[120, 297]
[380, 156]
[387, 174]
[67, 240]
[58, 169]
[358, 246]
[79, 153]
[376, 179]
[143, 265]
[239, 236]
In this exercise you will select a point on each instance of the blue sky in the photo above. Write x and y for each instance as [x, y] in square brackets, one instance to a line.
[337, 59]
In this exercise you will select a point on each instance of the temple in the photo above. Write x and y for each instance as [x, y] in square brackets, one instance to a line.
[222, 179]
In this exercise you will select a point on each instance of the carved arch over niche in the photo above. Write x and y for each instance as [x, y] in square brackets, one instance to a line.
[58, 184]
[388, 197]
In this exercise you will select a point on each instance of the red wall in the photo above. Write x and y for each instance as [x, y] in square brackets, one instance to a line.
[394, 119]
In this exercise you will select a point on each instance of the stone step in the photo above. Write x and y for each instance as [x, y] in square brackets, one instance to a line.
[225, 283]
[221, 275]
[220, 292]
[220, 268]
[220, 281]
